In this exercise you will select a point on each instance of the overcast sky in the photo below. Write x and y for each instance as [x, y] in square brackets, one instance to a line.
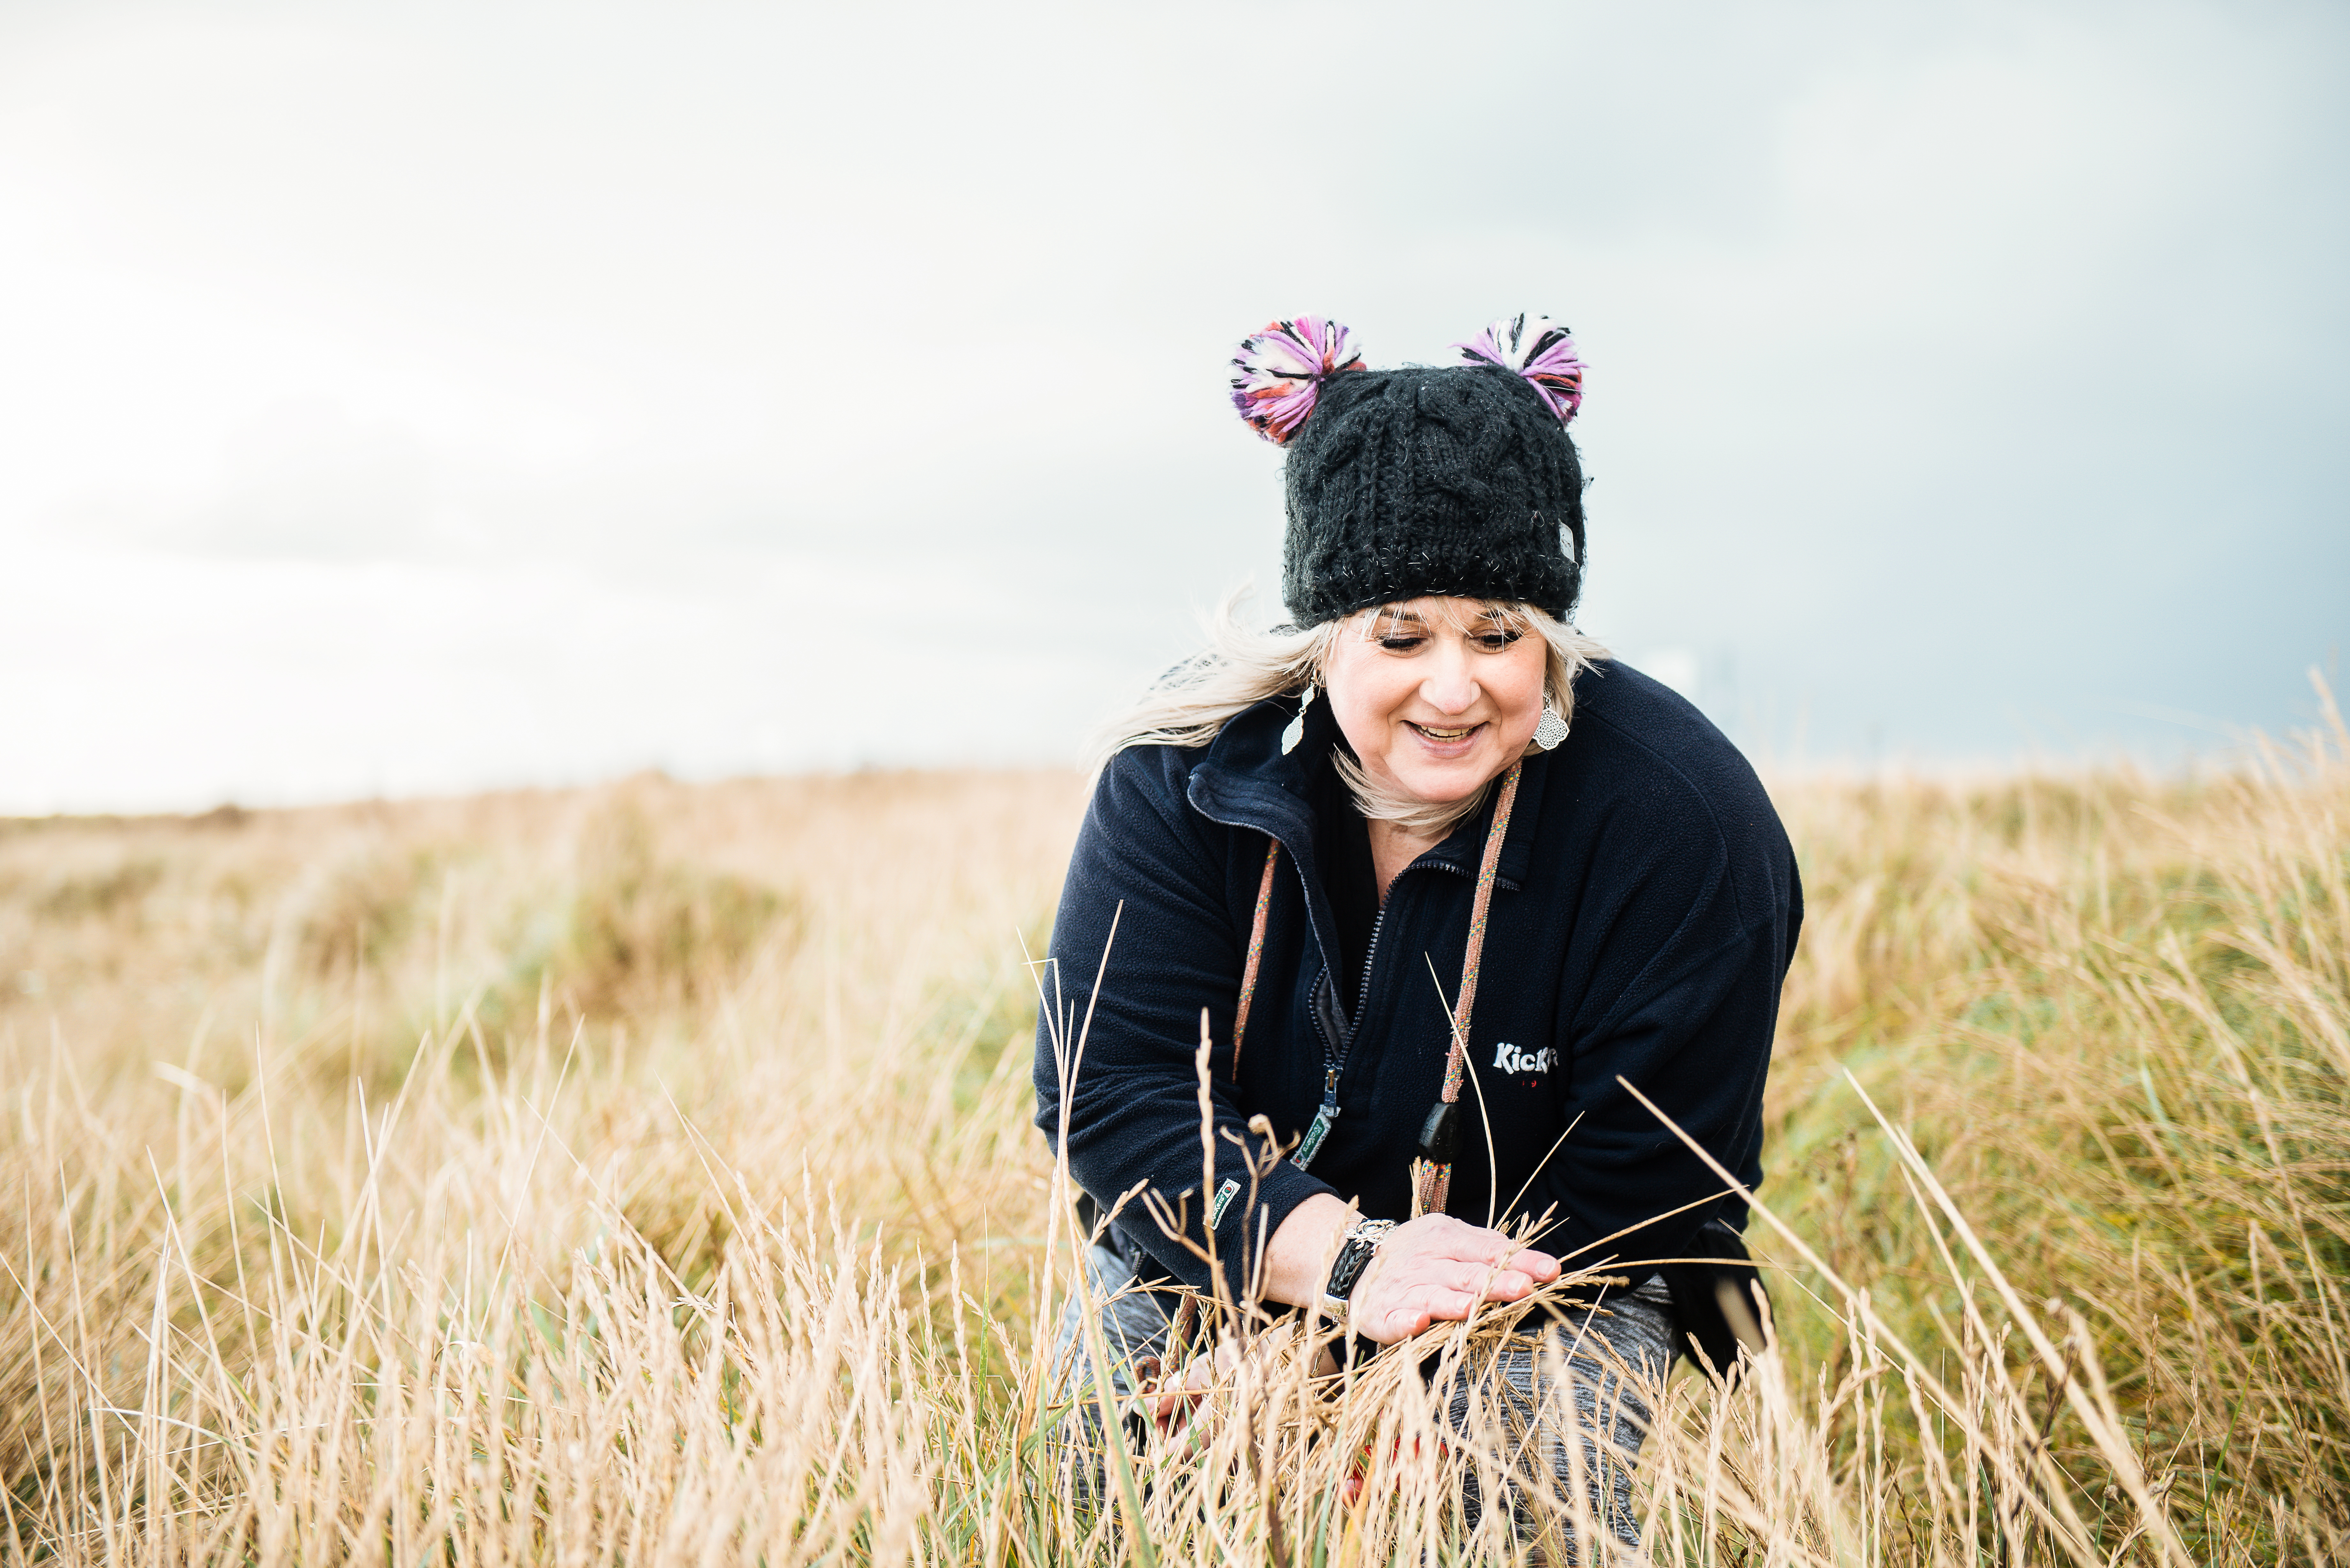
[403, 397]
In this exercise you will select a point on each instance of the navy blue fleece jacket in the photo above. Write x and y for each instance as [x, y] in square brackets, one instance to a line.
[1645, 911]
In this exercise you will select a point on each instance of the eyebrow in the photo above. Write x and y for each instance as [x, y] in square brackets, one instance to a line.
[1413, 618]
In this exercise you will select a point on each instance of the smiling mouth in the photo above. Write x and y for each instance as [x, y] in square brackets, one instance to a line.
[1446, 737]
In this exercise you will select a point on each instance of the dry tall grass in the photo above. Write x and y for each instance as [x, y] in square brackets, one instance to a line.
[644, 1174]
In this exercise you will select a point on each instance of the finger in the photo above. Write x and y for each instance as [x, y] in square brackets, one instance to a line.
[1169, 1411]
[1540, 1266]
[1416, 1313]
[1471, 1279]
[1414, 1321]
[1475, 1243]
[1492, 1247]
[1508, 1285]
[1502, 1249]
[1449, 1305]
[1487, 1281]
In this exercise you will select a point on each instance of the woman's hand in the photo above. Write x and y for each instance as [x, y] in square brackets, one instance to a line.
[1436, 1268]
[1173, 1400]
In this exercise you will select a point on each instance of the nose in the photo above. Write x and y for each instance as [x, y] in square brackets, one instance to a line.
[1450, 688]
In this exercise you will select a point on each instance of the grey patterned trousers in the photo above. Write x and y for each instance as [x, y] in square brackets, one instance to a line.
[1521, 1391]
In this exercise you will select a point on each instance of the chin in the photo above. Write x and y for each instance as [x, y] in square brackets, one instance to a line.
[1443, 787]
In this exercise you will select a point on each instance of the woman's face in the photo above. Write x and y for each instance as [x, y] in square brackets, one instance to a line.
[1436, 696]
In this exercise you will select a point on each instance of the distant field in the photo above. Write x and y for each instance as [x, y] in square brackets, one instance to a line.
[644, 1174]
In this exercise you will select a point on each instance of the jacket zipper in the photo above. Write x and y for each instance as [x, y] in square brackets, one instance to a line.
[1333, 1053]
[1363, 993]
[1334, 1064]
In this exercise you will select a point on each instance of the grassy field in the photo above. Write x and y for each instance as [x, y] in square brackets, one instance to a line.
[643, 1174]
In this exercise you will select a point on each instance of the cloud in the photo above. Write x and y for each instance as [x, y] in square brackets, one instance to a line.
[307, 482]
[1946, 363]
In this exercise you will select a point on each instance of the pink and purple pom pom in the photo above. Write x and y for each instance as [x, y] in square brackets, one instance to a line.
[1279, 372]
[1538, 349]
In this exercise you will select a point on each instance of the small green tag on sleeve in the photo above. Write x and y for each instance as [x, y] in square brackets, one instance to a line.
[1224, 1195]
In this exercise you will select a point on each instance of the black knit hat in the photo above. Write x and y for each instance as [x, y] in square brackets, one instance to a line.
[1458, 480]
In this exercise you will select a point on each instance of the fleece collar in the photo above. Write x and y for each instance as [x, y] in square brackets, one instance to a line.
[1247, 781]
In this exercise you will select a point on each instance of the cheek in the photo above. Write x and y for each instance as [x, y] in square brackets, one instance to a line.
[1359, 713]
[1362, 703]
[1518, 690]
[1525, 683]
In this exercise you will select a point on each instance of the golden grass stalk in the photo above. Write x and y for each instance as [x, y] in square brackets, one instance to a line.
[644, 1174]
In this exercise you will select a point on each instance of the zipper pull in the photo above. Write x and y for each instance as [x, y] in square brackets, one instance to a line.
[1310, 1145]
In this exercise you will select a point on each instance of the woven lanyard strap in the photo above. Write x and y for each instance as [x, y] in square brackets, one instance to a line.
[1255, 950]
[1432, 1177]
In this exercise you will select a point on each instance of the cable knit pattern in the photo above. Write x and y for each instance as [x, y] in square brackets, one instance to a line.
[1458, 480]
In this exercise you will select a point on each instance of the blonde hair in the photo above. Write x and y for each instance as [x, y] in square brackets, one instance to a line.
[1243, 665]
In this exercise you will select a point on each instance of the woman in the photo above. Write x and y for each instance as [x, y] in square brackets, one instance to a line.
[1426, 801]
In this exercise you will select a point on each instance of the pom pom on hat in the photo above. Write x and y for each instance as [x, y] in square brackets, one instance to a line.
[1538, 349]
[1422, 479]
[1279, 372]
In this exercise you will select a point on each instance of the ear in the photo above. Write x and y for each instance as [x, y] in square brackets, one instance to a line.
[1279, 372]
[1541, 350]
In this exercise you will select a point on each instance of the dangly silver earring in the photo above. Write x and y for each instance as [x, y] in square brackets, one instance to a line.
[1550, 730]
[1296, 730]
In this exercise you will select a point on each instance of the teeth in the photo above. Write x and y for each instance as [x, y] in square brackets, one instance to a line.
[1436, 734]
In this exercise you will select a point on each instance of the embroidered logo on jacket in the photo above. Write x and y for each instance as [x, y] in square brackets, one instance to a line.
[1510, 1059]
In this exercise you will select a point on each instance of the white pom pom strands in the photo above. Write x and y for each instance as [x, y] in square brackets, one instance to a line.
[1279, 372]
[1538, 349]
